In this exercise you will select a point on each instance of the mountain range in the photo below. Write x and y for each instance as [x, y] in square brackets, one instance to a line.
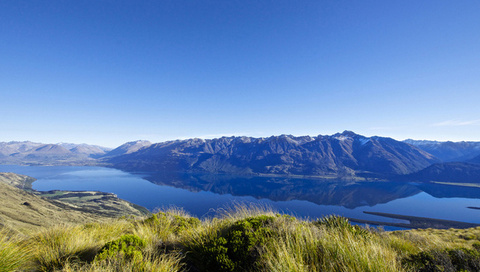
[345, 154]
[342, 154]
[47, 154]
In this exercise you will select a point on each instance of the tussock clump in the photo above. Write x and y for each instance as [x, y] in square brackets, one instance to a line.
[151, 263]
[14, 253]
[342, 224]
[57, 246]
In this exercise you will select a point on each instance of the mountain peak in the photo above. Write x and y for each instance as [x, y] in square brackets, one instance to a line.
[349, 133]
[138, 142]
[128, 148]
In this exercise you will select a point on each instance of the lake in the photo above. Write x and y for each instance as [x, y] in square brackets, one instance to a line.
[201, 195]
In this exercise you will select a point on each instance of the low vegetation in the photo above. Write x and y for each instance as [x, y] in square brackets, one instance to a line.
[241, 239]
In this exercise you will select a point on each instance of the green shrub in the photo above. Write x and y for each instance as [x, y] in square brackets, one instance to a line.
[236, 248]
[468, 237]
[476, 246]
[182, 223]
[176, 223]
[460, 259]
[428, 262]
[465, 259]
[128, 247]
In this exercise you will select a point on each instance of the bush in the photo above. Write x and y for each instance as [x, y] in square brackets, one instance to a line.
[236, 248]
[128, 247]
[444, 260]
[476, 246]
[173, 222]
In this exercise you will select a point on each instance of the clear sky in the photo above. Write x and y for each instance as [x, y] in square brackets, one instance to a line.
[106, 72]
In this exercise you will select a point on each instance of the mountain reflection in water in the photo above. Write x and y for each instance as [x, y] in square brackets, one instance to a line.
[349, 194]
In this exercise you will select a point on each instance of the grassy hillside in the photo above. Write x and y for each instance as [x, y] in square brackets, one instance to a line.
[16, 180]
[98, 203]
[26, 211]
[243, 239]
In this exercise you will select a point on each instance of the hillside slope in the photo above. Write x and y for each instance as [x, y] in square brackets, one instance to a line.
[23, 211]
[16, 180]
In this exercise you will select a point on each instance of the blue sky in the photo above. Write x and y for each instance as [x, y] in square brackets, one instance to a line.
[107, 72]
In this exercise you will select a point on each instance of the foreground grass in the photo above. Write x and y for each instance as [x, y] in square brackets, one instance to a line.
[240, 239]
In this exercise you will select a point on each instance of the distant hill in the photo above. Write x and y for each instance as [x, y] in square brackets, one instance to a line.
[93, 151]
[9, 148]
[23, 211]
[448, 151]
[48, 154]
[342, 154]
[459, 172]
[128, 148]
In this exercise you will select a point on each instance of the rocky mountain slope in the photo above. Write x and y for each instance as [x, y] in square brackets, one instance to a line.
[342, 154]
[448, 151]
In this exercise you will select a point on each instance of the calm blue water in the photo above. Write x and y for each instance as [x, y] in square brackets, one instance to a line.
[201, 195]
